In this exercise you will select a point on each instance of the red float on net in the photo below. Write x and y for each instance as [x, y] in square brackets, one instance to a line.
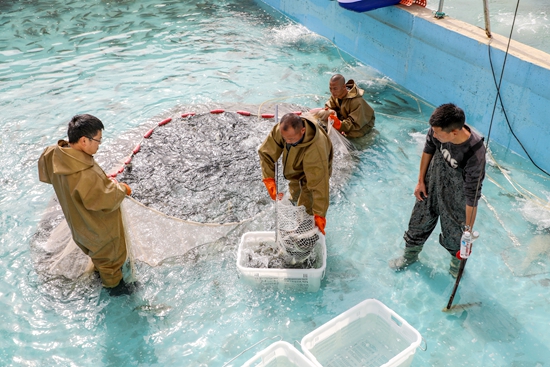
[165, 121]
[184, 115]
[148, 134]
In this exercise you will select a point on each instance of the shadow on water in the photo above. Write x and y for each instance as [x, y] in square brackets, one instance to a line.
[119, 327]
[485, 319]
[124, 321]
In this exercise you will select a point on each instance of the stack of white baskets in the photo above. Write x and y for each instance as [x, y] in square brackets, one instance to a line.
[369, 334]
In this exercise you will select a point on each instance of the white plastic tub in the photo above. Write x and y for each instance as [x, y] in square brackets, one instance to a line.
[301, 280]
[279, 354]
[367, 335]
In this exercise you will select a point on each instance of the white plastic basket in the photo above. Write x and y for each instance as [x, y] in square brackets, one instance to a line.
[367, 335]
[279, 354]
[301, 280]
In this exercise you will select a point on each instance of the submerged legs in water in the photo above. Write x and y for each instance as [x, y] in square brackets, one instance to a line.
[410, 256]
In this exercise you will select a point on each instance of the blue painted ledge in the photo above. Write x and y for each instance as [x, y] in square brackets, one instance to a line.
[444, 60]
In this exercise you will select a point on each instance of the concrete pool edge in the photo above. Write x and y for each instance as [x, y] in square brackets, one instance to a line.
[444, 60]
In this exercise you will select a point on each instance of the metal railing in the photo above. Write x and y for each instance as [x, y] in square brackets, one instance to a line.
[439, 14]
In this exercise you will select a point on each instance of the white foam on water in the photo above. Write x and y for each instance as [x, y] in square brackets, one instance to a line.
[537, 212]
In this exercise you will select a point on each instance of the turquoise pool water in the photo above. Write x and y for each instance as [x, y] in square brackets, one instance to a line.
[129, 62]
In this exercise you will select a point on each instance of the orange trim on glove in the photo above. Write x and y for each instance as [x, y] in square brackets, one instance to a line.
[271, 187]
[336, 123]
[320, 222]
[128, 189]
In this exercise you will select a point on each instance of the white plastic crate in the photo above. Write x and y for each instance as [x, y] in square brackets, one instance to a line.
[301, 280]
[279, 354]
[367, 335]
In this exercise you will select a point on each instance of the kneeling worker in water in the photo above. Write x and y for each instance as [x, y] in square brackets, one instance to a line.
[349, 112]
[307, 163]
[89, 199]
[452, 169]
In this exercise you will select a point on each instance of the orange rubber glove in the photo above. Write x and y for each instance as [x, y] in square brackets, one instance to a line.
[336, 123]
[320, 222]
[128, 189]
[271, 187]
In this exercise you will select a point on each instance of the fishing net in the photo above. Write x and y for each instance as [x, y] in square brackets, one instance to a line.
[297, 234]
[55, 252]
[410, 2]
[195, 180]
[340, 144]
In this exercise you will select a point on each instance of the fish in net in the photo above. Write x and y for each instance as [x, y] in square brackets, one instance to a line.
[195, 180]
[341, 145]
[297, 234]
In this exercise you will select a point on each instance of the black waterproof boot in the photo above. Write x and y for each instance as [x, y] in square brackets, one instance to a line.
[122, 289]
[410, 256]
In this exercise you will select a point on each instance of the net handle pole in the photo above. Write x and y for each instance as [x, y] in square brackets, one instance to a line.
[276, 184]
[458, 277]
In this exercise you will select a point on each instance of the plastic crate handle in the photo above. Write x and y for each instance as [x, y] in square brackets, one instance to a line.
[252, 346]
[425, 342]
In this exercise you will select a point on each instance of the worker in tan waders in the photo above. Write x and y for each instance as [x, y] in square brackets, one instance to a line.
[307, 163]
[347, 110]
[89, 199]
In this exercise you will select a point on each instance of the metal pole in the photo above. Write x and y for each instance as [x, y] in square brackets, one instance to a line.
[458, 277]
[277, 186]
[487, 19]
[439, 13]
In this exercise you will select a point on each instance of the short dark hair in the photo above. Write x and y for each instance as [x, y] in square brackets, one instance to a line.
[83, 125]
[291, 120]
[448, 117]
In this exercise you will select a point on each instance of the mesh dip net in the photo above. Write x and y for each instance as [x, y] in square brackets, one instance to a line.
[195, 180]
[296, 235]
